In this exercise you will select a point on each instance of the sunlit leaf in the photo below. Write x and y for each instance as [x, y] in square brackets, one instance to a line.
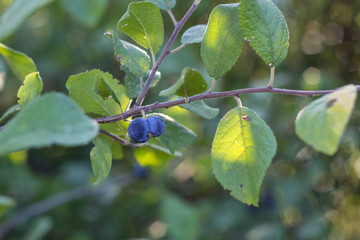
[322, 122]
[132, 57]
[223, 40]
[50, 119]
[265, 28]
[164, 4]
[18, 11]
[241, 152]
[82, 89]
[20, 63]
[101, 159]
[143, 23]
[201, 108]
[88, 12]
[190, 83]
[195, 34]
[155, 156]
[31, 88]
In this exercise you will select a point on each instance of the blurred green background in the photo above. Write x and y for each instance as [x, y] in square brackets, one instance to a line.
[305, 195]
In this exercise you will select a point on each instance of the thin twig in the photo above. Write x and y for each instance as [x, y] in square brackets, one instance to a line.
[118, 139]
[212, 85]
[173, 19]
[178, 48]
[207, 95]
[272, 76]
[165, 52]
[239, 103]
[61, 199]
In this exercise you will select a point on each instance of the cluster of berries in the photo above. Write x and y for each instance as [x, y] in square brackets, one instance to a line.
[140, 129]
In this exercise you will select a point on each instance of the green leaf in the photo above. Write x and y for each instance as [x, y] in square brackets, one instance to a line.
[265, 28]
[12, 110]
[20, 64]
[133, 83]
[182, 219]
[223, 40]
[31, 88]
[201, 108]
[195, 34]
[101, 159]
[101, 89]
[104, 90]
[322, 122]
[132, 57]
[49, 119]
[241, 152]
[88, 12]
[175, 135]
[82, 89]
[164, 4]
[5, 204]
[153, 156]
[144, 24]
[18, 11]
[190, 83]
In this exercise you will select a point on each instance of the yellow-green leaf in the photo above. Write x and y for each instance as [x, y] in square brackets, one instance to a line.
[20, 63]
[241, 152]
[223, 40]
[190, 83]
[31, 88]
[144, 24]
[86, 90]
[153, 156]
[322, 122]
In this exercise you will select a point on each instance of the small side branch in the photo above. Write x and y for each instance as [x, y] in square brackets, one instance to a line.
[118, 139]
[212, 85]
[239, 103]
[173, 19]
[178, 48]
[272, 76]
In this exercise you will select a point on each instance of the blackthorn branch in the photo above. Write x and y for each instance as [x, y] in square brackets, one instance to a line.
[149, 108]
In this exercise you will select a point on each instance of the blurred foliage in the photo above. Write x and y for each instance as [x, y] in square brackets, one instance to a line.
[305, 195]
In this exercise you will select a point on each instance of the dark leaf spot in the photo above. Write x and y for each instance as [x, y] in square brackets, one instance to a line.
[331, 102]
[246, 118]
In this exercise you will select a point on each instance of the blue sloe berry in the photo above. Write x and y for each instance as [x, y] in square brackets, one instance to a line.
[138, 130]
[140, 172]
[156, 125]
